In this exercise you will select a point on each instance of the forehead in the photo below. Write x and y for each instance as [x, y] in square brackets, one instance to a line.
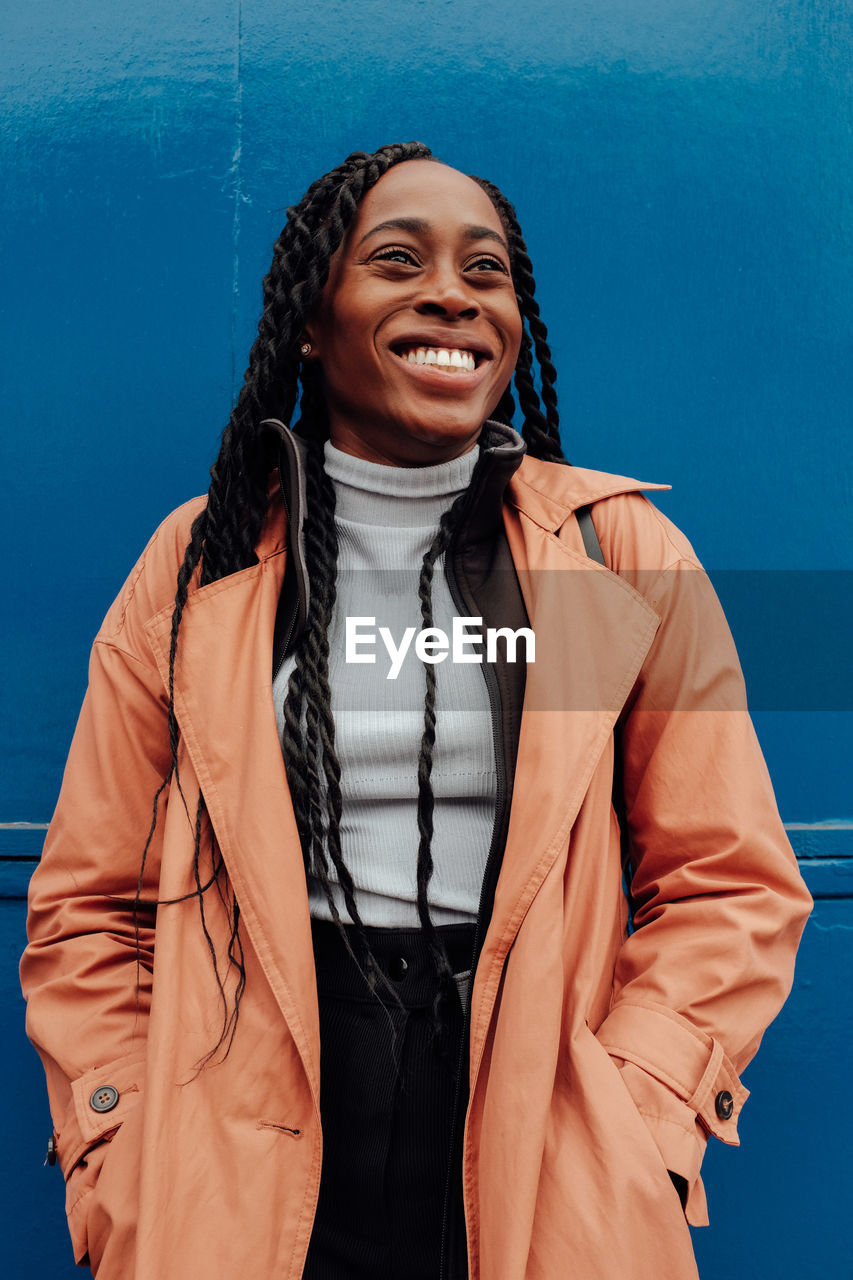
[427, 189]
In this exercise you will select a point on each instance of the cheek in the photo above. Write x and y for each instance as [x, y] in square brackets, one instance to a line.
[516, 346]
[513, 345]
[349, 336]
[513, 323]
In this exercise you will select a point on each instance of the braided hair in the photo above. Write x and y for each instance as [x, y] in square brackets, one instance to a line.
[224, 535]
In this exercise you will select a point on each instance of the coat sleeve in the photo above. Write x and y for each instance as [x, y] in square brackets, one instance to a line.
[719, 903]
[87, 969]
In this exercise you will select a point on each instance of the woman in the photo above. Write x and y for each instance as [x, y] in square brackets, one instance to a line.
[263, 1044]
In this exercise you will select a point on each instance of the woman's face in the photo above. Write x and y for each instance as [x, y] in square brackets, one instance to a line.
[421, 279]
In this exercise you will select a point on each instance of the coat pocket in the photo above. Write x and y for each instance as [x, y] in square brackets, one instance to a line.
[639, 1129]
[105, 1211]
[79, 1186]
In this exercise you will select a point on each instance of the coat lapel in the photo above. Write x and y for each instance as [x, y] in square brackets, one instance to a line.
[593, 631]
[223, 701]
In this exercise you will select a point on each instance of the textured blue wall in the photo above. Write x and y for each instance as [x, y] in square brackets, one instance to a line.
[683, 174]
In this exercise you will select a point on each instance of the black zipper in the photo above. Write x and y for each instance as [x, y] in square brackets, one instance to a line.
[292, 550]
[486, 888]
[286, 646]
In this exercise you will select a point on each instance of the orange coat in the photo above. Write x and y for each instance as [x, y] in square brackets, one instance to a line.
[598, 1059]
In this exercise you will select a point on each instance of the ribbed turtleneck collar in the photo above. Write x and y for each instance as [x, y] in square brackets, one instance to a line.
[375, 494]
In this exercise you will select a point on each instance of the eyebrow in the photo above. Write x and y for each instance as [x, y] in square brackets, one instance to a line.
[419, 226]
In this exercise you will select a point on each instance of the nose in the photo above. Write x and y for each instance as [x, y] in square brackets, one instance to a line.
[445, 294]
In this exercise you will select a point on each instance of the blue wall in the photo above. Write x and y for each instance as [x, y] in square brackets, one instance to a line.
[683, 173]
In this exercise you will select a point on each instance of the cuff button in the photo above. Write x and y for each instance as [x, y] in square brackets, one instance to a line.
[724, 1105]
[104, 1099]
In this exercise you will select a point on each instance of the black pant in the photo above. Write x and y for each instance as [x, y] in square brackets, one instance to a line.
[387, 1087]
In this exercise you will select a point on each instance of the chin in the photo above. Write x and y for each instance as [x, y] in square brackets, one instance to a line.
[437, 427]
[436, 445]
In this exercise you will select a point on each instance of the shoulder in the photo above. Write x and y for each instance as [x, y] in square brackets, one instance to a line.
[151, 584]
[636, 536]
[633, 533]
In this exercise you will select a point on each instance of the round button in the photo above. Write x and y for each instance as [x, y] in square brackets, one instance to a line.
[397, 967]
[724, 1105]
[104, 1099]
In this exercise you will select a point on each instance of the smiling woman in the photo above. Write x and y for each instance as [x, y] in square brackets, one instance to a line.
[421, 288]
[332, 974]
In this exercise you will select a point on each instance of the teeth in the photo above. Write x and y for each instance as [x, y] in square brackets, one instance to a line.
[442, 357]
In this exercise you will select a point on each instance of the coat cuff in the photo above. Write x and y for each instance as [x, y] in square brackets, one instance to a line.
[100, 1101]
[682, 1057]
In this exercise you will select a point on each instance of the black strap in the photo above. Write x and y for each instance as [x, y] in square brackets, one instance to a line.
[590, 538]
[593, 549]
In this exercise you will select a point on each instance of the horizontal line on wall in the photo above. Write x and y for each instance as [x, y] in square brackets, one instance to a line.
[824, 850]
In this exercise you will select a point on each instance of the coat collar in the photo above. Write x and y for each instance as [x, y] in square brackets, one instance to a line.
[224, 706]
[546, 492]
[549, 493]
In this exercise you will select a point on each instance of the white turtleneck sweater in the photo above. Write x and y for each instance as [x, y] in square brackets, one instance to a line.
[386, 518]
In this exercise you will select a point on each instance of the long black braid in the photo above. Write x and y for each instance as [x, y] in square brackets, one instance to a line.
[225, 533]
[542, 433]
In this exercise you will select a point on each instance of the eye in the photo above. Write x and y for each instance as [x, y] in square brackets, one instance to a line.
[396, 253]
[487, 263]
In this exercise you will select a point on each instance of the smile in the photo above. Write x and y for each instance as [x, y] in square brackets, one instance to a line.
[443, 359]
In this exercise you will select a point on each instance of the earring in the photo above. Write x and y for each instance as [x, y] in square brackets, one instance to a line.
[306, 348]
